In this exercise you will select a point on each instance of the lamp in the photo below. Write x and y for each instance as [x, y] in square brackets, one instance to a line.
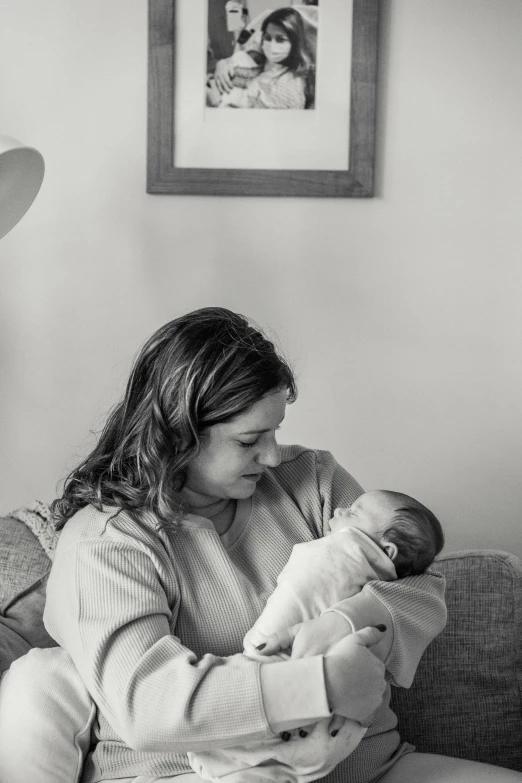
[21, 174]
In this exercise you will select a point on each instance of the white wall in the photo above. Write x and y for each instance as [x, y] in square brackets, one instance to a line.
[401, 313]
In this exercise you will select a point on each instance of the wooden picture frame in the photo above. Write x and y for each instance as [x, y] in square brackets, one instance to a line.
[164, 177]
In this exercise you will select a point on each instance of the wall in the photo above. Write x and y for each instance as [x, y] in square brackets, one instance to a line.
[401, 313]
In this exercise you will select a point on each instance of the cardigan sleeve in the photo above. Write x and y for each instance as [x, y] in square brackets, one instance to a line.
[107, 607]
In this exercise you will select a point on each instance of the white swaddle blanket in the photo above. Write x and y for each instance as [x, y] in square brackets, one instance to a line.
[318, 574]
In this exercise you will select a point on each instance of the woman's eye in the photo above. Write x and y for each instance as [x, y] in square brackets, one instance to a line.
[246, 444]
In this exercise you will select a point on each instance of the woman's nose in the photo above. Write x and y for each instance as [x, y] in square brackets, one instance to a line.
[269, 454]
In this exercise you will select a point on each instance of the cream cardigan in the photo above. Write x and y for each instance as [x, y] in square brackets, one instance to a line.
[154, 622]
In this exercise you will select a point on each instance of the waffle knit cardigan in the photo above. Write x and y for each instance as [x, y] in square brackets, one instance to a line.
[154, 620]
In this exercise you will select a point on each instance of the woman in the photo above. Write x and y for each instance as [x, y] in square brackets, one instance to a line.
[175, 528]
[287, 78]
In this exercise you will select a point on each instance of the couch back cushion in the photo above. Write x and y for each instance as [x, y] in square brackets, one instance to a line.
[466, 699]
[24, 568]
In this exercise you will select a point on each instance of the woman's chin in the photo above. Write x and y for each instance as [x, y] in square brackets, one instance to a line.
[246, 487]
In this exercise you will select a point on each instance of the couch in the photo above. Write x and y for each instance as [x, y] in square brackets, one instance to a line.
[466, 699]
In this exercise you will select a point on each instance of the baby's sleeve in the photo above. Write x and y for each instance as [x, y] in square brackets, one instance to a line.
[414, 612]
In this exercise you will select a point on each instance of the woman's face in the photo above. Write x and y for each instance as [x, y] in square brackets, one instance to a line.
[235, 454]
[276, 44]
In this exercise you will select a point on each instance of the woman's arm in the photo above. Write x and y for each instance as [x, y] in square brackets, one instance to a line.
[107, 605]
[414, 612]
[354, 682]
[411, 612]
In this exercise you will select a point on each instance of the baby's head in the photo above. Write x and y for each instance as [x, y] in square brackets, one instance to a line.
[410, 534]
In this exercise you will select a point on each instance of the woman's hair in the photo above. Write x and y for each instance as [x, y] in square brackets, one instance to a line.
[301, 61]
[417, 533]
[201, 369]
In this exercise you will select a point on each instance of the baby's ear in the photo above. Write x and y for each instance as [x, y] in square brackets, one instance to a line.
[390, 549]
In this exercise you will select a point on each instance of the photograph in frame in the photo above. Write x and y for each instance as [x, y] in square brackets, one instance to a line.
[262, 54]
[264, 97]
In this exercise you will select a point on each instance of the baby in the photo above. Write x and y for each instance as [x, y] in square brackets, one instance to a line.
[383, 536]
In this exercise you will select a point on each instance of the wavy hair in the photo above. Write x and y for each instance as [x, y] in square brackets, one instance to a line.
[198, 370]
[301, 60]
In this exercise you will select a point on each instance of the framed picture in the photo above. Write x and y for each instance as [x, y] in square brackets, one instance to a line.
[262, 97]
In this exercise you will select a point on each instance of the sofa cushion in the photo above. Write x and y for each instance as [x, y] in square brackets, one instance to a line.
[12, 646]
[46, 716]
[466, 699]
[23, 562]
[24, 569]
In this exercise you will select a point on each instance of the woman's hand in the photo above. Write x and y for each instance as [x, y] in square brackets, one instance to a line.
[223, 75]
[313, 637]
[354, 677]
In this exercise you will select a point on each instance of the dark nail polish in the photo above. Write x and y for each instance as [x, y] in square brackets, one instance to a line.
[381, 627]
[285, 736]
[261, 646]
[334, 733]
[302, 733]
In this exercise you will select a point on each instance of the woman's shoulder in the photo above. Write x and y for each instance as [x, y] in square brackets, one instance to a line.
[303, 461]
[305, 454]
[108, 523]
[316, 472]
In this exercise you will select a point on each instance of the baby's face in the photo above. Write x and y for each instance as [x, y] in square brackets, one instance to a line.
[370, 513]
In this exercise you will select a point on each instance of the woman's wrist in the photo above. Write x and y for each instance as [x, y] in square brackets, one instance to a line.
[294, 693]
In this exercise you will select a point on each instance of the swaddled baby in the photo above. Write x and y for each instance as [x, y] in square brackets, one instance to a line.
[383, 536]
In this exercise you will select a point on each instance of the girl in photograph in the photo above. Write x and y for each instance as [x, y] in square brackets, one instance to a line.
[287, 78]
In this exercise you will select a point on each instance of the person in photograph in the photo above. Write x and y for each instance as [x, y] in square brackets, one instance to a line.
[287, 78]
[246, 59]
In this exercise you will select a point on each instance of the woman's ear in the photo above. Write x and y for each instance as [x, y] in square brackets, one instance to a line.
[390, 549]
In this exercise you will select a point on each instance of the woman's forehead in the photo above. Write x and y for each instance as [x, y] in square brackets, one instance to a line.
[265, 414]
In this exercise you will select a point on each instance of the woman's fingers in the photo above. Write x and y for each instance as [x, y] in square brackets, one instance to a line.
[336, 724]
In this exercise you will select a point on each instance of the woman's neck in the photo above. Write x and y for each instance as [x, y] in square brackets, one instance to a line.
[220, 511]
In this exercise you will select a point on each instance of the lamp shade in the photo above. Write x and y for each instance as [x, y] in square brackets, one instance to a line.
[21, 174]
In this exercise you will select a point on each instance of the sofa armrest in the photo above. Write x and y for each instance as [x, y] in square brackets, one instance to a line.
[466, 700]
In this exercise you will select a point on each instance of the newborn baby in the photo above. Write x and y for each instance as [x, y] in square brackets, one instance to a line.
[383, 536]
